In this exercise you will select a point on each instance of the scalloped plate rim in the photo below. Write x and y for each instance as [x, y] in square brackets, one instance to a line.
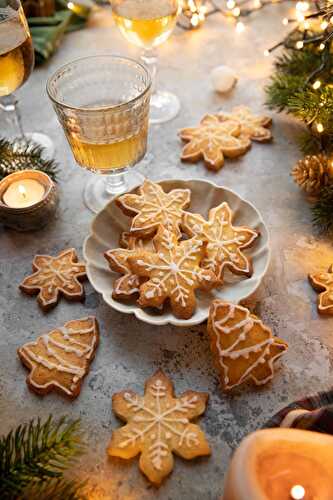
[162, 320]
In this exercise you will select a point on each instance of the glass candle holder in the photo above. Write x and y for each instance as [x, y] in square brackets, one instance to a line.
[28, 200]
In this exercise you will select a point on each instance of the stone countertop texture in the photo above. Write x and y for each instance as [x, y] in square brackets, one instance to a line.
[130, 351]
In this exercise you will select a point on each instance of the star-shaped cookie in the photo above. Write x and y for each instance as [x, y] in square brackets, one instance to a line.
[213, 140]
[173, 272]
[55, 276]
[127, 285]
[152, 207]
[252, 126]
[225, 242]
[243, 347]
[158, 425]
[323, 282]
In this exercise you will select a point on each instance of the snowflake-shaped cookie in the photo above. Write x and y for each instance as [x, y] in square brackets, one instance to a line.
[174, 272]
[224, 241]
[153, 207]
[54, 276]
[252, 126]
[158, 425]
[127, 285]
[323, 282]
[212, 141]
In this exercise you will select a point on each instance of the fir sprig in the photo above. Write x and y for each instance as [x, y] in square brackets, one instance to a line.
[22, 155]
[35, 455]
[322, 211]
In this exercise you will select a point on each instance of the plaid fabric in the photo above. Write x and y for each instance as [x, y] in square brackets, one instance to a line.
[319, 418]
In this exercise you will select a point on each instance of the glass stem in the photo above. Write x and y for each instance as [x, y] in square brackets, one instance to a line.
[115, 184]
[9, 104]
[149, 58]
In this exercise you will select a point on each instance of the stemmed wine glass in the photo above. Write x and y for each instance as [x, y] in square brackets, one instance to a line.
[16, 65]
[147, 24]
[102, 103]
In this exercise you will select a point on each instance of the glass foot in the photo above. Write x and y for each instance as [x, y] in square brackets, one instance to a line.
[164, 106]
[102, 189]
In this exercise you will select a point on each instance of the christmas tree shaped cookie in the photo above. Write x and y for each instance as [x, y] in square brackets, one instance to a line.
[55, 276]
[225, 242]
[60, 359]
[173, 272]
[323, 283]
[213, 140]
[158, 424]
[243, 347]
[152, 207]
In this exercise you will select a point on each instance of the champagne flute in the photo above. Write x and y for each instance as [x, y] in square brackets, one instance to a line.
[147, 24]
[102, 103]
[16, 65]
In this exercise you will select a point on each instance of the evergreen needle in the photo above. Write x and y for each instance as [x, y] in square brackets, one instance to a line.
[16, 156]
[34, 456]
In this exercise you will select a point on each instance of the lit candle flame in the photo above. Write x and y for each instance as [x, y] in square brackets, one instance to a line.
[22, 191]
[297, 492]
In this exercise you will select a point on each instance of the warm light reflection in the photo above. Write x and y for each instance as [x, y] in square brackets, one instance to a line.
[297, 492]
[23, 192]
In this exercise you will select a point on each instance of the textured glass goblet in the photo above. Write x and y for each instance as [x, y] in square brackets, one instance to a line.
[147, 24]
[102, 103]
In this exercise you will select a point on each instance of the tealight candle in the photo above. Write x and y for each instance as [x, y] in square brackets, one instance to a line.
[282, 464]
[24, 193]
[28, 200]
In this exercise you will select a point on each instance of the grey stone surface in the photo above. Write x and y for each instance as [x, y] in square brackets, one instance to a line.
[130, 351]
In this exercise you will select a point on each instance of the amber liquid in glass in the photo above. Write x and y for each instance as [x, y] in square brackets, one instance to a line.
[103, 157]
[146, 23]
[16, 54]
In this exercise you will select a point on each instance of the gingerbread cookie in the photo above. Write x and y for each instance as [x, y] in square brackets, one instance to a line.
[212, 141]
[224, 241]
[243, 347]
[252, 126]
[59, 360]
[173, 272]
[55, 276]
[323, 282]
[158, 424]
[152, 207]
[127, 285]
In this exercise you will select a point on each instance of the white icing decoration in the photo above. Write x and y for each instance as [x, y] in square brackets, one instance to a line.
[60, 364]
[222, 251]
[56, 278]
[234, 352]
[160, 424]
[158, 208]
[174, 271]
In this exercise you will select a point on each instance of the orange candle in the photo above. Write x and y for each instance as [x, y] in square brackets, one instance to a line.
[282, 464]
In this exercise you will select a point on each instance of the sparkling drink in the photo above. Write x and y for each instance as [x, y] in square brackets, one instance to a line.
[146, 23]
[16, 53]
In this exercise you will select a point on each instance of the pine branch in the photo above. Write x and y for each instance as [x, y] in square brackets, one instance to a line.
[280, 89]
[37, 453]
[322, 211]
[16, 156]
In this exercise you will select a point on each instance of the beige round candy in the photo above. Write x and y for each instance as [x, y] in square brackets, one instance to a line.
[223, 78]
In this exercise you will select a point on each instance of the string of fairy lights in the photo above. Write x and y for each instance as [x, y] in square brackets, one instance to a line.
[311, 24]
[195, 12]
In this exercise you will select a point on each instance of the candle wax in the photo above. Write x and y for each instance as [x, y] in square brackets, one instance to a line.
[23, 193]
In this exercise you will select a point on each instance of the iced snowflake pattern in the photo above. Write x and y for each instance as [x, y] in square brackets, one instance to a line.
[158, 424]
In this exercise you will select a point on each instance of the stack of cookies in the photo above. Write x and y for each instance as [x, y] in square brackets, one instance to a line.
[169, 252]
